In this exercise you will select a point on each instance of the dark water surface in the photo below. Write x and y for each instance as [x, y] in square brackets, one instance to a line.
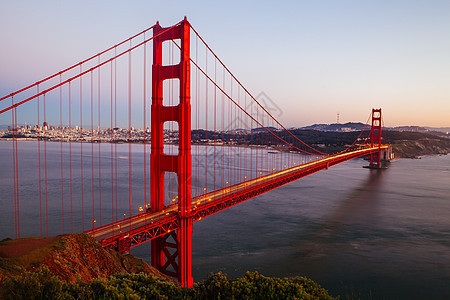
[358, 232]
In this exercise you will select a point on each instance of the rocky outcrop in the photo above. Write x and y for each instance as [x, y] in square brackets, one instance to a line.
[415, 148]
[71, 257]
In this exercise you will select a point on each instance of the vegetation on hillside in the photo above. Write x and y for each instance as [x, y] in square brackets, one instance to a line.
[42, 284]
[75, 266]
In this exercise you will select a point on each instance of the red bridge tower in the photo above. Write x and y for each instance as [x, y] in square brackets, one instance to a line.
[375, 139]
[165, 253]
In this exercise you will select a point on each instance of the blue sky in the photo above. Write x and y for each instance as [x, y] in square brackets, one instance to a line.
[313, 58]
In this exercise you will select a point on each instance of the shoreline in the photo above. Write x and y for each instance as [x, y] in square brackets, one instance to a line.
[412, 149]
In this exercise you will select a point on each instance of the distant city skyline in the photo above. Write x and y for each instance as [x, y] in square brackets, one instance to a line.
[313, 59]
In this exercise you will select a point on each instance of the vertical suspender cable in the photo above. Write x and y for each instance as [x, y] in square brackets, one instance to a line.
[99, 150]
[205, 190]
[39, 162]
[115, 126]
[81, 150]
[14, 130]
[92, 148]
[145, 124]
[70, 157]
[223, 132]
[215, 120]
[45, 167]
[197, 86]
[251, 139]
[111, 145]
[236, 121]
[171, 188]
[61, 151]
[230, 137]
[17, 176]
[172, 100]
[129, 137]
[248, 146]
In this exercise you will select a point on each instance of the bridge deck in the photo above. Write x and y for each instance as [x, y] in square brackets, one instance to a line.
[146, 226]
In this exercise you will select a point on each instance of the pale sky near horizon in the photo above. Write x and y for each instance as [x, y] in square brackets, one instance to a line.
[312, 58]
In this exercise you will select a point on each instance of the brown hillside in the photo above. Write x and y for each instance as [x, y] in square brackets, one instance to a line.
[69, 256]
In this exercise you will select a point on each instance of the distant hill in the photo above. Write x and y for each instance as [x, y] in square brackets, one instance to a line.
[261, 129]
[347, 127]
[410, 128]
[442, 131]
[351, 126]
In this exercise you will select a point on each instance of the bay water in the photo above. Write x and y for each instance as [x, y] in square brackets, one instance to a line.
[360, 233]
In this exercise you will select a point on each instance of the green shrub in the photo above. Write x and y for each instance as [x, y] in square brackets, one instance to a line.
[34, 285]
[42, 284]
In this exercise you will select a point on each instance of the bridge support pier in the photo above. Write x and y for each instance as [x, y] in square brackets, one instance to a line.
[172, 253]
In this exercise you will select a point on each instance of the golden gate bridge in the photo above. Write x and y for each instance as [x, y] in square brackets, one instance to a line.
[210, 146]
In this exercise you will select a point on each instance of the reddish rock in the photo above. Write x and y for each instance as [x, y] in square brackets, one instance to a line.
[71, 257]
